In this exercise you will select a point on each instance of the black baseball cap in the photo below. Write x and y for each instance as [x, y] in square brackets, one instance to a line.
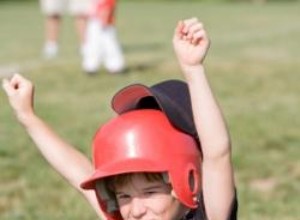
[171, 96]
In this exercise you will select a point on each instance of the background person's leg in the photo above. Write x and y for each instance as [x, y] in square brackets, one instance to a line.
[52, 25]
[81, 25]
[113, 58]
[93, 48]
[53, 10]
[80, 10]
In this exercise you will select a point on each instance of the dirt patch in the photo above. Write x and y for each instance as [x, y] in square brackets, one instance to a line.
[264, 185]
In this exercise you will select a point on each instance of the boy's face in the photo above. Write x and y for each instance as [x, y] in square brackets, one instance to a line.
[145, 200]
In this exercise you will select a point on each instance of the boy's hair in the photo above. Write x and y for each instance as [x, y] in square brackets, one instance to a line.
[122, 179]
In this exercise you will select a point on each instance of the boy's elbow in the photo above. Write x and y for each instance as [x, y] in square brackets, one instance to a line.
[219, 149]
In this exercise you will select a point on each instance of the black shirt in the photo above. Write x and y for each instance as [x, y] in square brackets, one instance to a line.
[199, 213]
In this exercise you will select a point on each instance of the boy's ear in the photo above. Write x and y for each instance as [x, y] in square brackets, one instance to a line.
[173, 193]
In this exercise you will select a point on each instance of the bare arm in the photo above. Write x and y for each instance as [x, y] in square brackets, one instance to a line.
[191, 45]
[64, 158]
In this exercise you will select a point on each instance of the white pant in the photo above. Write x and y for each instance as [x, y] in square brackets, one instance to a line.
[102, 46]
[74, 7]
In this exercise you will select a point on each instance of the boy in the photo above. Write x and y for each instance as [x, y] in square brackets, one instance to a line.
[124, 195]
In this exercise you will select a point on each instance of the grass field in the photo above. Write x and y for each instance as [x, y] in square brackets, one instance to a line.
[253, 66]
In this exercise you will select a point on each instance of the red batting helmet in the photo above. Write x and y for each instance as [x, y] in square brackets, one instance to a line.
[144, 141]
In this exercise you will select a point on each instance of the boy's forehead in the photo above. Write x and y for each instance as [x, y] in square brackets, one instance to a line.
[139, 180]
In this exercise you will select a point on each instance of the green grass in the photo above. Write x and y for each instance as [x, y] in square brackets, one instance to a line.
[253, 66]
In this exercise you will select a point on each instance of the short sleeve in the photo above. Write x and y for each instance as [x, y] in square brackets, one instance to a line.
[234, 208]
[200, 214]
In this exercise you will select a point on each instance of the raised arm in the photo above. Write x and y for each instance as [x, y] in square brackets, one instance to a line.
[191, 44]
[64, 158]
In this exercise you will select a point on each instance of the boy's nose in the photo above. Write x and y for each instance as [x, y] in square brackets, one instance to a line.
[138, 208]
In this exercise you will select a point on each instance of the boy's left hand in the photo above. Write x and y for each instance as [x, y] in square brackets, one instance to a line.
[190, 42]
[19, 91]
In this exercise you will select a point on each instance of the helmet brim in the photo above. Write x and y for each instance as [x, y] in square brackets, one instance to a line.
[116, 168]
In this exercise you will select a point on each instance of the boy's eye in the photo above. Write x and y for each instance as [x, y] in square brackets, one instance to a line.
[123, 196]
[150, 192]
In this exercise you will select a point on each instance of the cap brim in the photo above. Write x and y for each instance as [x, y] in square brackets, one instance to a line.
[171, 96]
[129, 166]
[127, 98]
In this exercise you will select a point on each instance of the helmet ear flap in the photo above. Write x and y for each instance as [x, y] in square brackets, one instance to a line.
[186, 187]
[193, 181]
[107, 196]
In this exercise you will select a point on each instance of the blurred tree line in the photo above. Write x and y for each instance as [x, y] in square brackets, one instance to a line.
[251, 1]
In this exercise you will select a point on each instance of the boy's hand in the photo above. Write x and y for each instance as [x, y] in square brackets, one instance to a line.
[20, 95]
[190, 42]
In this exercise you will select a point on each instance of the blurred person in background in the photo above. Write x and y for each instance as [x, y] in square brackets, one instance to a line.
[101, 42]
[53, 11]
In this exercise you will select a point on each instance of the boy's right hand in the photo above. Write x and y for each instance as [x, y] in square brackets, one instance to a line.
[191, 43]
[20, 92]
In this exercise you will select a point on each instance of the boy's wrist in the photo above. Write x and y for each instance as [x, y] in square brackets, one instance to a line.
[26, 119]
[190, 71]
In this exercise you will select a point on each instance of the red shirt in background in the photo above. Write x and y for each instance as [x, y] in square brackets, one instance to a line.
[104, 10]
